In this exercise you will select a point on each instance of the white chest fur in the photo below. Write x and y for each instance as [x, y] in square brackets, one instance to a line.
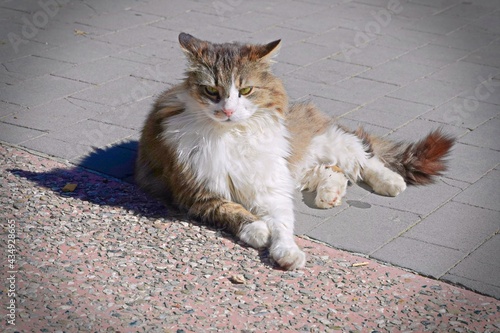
[237, 162]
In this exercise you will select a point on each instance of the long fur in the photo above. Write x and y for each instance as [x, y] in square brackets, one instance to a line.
[418, 163]
[226, 146]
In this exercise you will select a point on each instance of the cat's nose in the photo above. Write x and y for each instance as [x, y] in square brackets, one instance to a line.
[228, 112]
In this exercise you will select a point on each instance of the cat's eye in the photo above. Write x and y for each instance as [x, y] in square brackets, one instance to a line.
[245, 91]
[212, 91]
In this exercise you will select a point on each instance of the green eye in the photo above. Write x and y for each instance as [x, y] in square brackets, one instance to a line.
[246, 91]
[212, 91]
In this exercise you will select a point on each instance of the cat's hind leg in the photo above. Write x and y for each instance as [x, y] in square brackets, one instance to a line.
[330, 185]
[381, 179]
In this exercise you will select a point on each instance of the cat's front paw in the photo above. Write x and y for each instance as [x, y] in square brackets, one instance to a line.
[391, 184]
[256, 234]
[288, 255]
[328, 198]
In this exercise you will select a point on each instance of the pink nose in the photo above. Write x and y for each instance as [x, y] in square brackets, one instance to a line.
[228, 112]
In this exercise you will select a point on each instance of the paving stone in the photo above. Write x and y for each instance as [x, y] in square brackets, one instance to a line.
[332, 107]
[363, 230]
[457, 226]
[7, 109]
[357, 91]
[335, 41]
[439, 24]
[41, 89]
[467, 10]
[427, 91]
[464, 40]
[129, 116]
[169, 9]
[78, 52]
[166, 73]
[480, 270]
[483, 193]
[421, 200]
[370, 55]
[476, 282]
[320, 21]
[135, 36]
[295, 55]
[91, 133]
[469, 163]
[398, 72]
[328, 71]
[488, 23]
[62, 113]
[486, 135]
[252, 23]
[21, 47]
[119, 20]
[439, 5]
[419, 256]
[183, 22]
[412, 39]
[279, 8]
[9, 79]
[398, 106]
[97, 6]
[295, 88]
[465, 75]
[487, 56]
[17, 135]
[287, 36]
[416, 9]
[33, 66]
[61, 33]
[120, 91]
[467, 113]
[99, 71]
[281, 69]
[434, 55]
[57, 148]
[380, 118]
[304, 223]
[153, 53]
[370, 128]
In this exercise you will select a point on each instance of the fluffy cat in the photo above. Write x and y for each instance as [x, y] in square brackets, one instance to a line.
[226, 146]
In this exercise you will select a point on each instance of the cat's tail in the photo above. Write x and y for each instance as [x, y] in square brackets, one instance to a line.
[416, 162]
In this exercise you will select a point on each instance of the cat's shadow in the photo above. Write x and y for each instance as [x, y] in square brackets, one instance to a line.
[105, 178]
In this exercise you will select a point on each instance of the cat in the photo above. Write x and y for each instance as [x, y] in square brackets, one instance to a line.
[227, 147]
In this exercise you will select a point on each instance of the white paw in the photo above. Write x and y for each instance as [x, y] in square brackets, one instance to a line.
[331, 193]
[328, 198]
[391, 184]
[256, 234]
[288, 255]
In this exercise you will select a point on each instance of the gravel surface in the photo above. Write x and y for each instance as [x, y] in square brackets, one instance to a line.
[106, 258]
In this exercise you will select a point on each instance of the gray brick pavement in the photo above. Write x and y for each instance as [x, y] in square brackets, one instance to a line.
[76, 82]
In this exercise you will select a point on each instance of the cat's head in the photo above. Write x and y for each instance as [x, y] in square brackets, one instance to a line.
[232, 82]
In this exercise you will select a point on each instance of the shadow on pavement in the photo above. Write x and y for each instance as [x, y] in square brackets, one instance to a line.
[93, 184]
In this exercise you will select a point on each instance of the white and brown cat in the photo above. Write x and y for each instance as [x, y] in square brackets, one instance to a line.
[226, 146]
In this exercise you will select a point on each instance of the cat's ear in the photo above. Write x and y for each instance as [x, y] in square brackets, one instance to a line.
[192, 46]
[268, 51]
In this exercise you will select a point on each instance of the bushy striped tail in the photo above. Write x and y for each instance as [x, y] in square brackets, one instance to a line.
[417, 162]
